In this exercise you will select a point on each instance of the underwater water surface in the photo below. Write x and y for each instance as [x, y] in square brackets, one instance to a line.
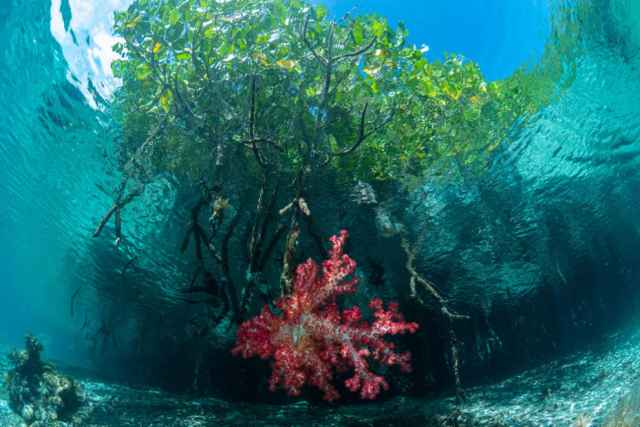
[494, 193]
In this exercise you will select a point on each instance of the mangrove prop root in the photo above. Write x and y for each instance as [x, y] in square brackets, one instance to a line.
[447, 314]
[132, 164]
[73, 300]
[226, 268]
[286, 279]
[195, 231]
[455, 363]
[121, 202]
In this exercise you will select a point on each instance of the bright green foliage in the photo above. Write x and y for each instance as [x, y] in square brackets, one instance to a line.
[275, 82]
[192, 66]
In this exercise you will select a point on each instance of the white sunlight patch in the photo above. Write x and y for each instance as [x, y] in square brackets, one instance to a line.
[89, 54]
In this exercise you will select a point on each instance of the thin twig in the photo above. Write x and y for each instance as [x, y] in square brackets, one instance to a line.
[362, 135]
[356, 53]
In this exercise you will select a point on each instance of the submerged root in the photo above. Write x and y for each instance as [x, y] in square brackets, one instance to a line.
[447, 314]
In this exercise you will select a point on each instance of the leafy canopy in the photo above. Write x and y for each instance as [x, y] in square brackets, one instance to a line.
[278, 85]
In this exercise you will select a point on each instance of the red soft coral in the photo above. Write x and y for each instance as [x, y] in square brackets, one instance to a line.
[312, 337]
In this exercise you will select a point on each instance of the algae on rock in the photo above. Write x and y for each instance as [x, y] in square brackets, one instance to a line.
[37, 393]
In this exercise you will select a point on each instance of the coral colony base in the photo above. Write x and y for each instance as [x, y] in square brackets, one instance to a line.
[41, 396]
[312, 337]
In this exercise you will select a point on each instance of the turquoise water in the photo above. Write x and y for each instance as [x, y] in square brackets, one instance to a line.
[542, 249]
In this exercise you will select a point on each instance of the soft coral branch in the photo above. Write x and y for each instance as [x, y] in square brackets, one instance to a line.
[312, 338]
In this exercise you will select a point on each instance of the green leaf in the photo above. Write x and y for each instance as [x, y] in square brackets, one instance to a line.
[373, 85]
[166, 100]
[378, 28]
[280, 10]
[321, 13]
[183, 56]
[174, 16]
[358, 33]
[287, 64]
[143, 71]
[133, 22]
[118, 68]
[209, 32]
[428, 88]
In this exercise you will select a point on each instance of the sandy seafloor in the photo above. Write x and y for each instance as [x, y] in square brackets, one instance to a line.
[580, 390]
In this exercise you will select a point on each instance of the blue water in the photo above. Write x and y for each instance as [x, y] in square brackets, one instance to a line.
[558, 208]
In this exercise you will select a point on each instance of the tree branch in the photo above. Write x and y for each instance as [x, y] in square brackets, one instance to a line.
[116, 209]
[356, 53]
[307, 43]
[362, 135]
